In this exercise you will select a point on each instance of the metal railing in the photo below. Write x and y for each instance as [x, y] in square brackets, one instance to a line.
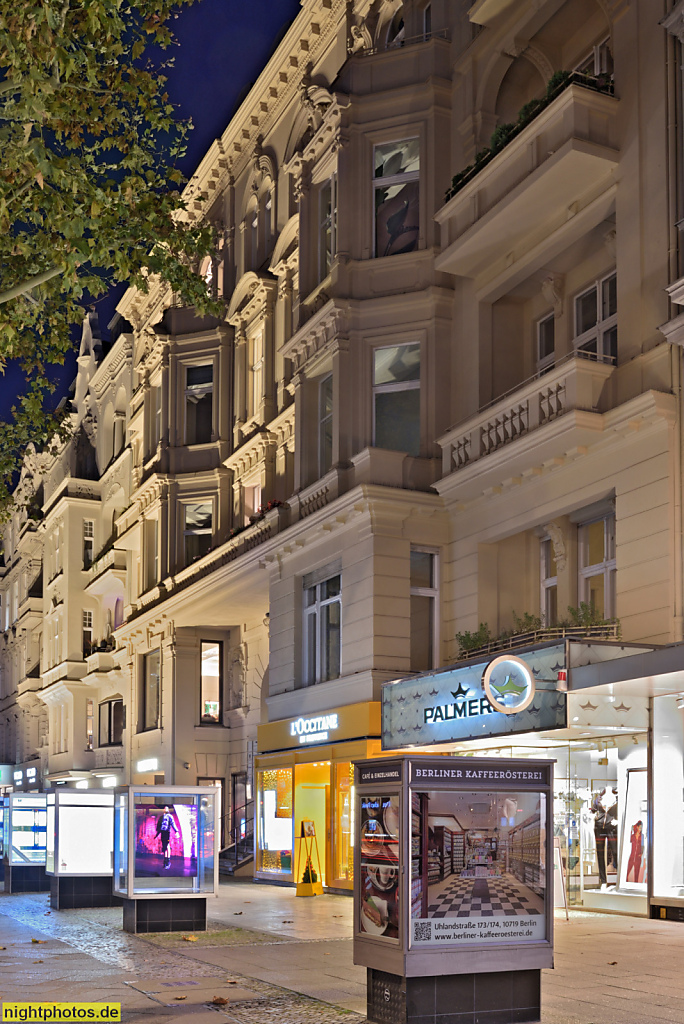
[238, 828]
[399, 44]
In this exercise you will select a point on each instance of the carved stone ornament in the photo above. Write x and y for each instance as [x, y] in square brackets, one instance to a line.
[552, 290]
[610, 243]
[558, 541]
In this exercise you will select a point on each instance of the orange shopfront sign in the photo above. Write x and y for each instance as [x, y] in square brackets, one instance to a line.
[355, 721]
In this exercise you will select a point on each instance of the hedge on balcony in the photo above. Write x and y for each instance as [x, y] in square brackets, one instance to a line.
[582, 621]
[505, 132]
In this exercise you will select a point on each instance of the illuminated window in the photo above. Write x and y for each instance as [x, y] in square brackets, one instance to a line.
[151, 690]
[210, 683]
[111, 721]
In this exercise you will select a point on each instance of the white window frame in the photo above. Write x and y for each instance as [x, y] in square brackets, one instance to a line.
[256, 351]
[197, 392]
[545, 362]
[150, 552]
[323, 420]
[87, 631]
[252, 499]
[196, 532]
[547, 583]
[433, 593]
[607, 567]
[597, 57]
[325, 222]
[107, 706]
[395, 179]
[318, 672]
[602, 326]
[144, 726]
[396, 386]
[88, 542]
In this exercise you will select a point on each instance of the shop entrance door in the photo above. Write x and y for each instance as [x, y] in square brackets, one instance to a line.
[312, 803]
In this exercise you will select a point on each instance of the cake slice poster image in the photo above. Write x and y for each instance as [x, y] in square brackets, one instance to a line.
[379, 842]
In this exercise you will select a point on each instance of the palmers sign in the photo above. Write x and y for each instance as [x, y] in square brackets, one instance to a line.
[503, 696]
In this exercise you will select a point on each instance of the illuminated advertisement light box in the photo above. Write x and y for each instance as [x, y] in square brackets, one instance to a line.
[164, 841]
[500, 697]
[451, 865]
[25, 829]
[80, 833]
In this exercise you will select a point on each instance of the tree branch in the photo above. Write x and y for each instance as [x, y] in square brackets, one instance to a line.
[30, 284]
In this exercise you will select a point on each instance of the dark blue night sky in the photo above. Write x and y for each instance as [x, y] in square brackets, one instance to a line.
[223, 46]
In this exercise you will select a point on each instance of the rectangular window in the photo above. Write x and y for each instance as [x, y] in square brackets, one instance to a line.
[90, 724]
[155, 417]
[598, 62]
[197, 530]
[327, 226]
[210, 683]
[596, 321]
[423, 609]
[322, 631]
[199, 403]
[251, 497]
[151, 553]
[110, 726]
[549, 583]
[88, 542]
[396, 398]
[87, 633]
[427, 21]
[546, 342]
[256, 371]
[325, 424]
[597, 566]
[151, 694]
[396, 187]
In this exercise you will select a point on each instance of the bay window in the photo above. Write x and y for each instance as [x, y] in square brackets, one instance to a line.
[396, 398]
[197, 529]
[199, 403]
[396, 186]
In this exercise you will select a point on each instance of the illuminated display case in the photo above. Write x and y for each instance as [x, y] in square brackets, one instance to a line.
[164, 841]
[451, 879]
[80, 832]
[25, 829]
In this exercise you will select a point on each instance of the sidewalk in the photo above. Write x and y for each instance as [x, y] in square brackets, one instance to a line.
[293, 965]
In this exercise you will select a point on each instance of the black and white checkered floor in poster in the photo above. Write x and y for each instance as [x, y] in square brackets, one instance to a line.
[482, 897]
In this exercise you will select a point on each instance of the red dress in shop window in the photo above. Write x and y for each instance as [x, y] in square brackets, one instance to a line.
[635, 868]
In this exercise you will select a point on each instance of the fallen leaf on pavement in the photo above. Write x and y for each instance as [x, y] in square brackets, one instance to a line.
[180, 997]
[232, 983]
[219, 1000]
[189, 938]
[236, 913]
[39, 942]
[612, 963]
[337, 915]
[288, 920]
[38, 961]
[3, 947]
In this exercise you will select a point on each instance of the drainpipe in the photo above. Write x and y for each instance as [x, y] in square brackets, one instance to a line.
[672, 82]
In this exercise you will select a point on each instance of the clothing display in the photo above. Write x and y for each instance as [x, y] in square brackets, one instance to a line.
[605, 814]
[636, 866]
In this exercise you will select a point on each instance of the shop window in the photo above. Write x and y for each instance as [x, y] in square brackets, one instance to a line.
[668, 807]
[596, 321]
[325, 424]
[210, 683]
[546, 343]
[597, 566]
[322, 630]
[90, 724]
[199, 403]
[423, 609]
[88, 542]
[87, 634]
[110, 726]
[549, 583]
[396, 187]
[197, 530]
[151, 691]
[274, 821]
[344, 822]
[327, 226]
[396, 398]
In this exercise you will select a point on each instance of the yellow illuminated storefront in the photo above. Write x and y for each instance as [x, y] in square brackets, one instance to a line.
[304, 773]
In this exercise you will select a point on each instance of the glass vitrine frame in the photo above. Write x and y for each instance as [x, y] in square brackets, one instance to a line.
[60, 806]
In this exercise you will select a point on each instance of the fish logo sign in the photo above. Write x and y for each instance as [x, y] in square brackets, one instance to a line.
[508, 684]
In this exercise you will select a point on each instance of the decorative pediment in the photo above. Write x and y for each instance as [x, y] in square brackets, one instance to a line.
[252, 292]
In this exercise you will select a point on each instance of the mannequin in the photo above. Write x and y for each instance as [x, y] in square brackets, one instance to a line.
[605, 812]
[586, 819]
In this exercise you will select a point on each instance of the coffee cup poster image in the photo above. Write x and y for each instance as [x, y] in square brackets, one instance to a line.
[379, 843]
[166, 840]
[484, 877]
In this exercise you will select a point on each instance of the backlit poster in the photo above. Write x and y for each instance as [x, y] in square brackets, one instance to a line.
[379, 841]
[481, 875]
[166, 840]
[633, 855]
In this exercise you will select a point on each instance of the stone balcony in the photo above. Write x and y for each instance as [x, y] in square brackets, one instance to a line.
[556, 411]
[107, 573]
[546, 188]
